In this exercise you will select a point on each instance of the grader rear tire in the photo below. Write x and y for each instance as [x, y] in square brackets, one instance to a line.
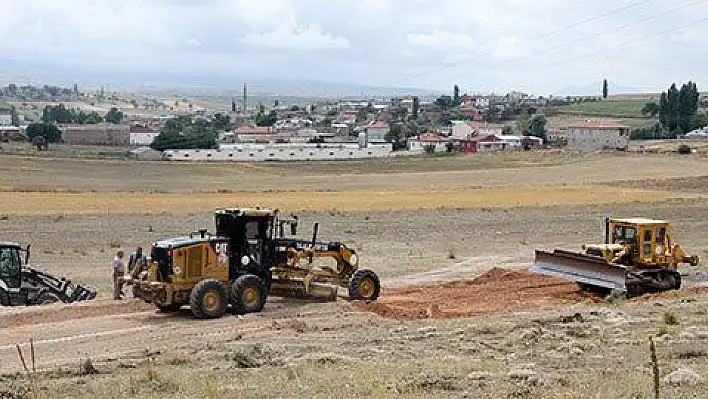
[208, 299]
[365, 285]
[248, 294]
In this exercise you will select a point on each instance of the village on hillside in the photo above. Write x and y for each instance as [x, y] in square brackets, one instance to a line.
[246, 130]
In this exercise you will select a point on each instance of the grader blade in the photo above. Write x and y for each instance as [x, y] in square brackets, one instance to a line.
[297, 289]
[586, 269]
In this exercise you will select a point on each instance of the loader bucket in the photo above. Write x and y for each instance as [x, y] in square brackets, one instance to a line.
[581, 268]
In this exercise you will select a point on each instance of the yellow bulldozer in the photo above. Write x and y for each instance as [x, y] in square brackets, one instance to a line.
[247, 259]
[639, 256]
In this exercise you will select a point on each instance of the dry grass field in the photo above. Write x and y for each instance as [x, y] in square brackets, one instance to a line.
[451, 238]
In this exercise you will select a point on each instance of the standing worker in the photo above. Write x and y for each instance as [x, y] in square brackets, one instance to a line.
[118, 275]
[137, 262]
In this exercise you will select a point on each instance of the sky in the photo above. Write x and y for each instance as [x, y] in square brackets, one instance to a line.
[537, 46]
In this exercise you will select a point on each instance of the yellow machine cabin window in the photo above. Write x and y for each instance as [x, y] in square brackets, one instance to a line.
[195, 260]
[648, 236]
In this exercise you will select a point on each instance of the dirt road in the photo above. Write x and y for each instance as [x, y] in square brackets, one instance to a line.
[107, 331]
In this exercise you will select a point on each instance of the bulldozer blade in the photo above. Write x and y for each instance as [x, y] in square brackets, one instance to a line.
[581, 268]
[296, 289]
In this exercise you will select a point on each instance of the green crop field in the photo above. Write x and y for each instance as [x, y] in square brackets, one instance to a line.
[626, 109]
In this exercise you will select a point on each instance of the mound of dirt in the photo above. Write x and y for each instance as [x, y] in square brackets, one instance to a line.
[497, 290]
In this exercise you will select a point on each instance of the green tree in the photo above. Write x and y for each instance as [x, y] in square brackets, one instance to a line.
[444, 102]
[185, 133]
[508, 130]
[397, 135]
[48, 132]
[678, 109]
[57, 114]
[93, 118]
[523, 123]
[605, 89]
[362, 115]
[416, 108]
[221, 122]
[651, 109]
[14, 116]
[264, 118]
[537, 127]
[114, 116]
[456, 96]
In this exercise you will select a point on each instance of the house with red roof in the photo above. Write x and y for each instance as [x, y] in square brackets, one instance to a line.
[484, 143]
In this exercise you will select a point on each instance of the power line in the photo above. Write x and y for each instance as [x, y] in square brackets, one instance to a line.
[545, 35]
[626, 43]
[581, 39]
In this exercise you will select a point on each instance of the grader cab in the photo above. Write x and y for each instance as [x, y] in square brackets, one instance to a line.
[639, 255]
[247, 259]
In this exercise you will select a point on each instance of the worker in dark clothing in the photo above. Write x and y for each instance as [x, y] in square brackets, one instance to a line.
[137, 262]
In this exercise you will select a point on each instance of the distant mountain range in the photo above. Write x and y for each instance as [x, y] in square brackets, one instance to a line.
[166, 83]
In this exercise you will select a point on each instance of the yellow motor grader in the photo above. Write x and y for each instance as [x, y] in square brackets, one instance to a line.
[247, 259]
[639, 256]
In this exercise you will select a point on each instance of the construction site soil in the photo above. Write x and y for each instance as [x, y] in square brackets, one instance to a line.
[497, 290]
[452, 239]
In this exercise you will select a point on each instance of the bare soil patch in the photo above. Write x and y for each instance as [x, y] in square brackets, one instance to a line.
[497, 290]
[22, 203]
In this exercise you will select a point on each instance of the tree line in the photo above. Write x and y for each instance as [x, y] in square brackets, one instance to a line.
[61, 114]
[45, 92]
[678, 113]
[186, 132]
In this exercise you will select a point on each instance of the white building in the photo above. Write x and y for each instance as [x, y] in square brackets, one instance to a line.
[5, 120]
[418, 143]
[593, 136]
[376, 131]
[518, 141]
[143, 138]
[282, 152]
[466, 129]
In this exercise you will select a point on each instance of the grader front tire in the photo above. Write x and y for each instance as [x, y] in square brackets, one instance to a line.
[208, 299]
[248, 294]
[364, 285]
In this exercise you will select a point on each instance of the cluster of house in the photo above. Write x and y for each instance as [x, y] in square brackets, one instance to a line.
[471, 137]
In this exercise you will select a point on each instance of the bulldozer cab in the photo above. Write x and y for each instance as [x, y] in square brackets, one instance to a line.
[650, 239]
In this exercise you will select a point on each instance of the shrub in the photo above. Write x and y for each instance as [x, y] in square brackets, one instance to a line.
[670, 318]
[684, 149]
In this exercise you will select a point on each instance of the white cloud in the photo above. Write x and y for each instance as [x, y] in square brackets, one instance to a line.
[300, 38]
[442, 40]
[508, 48]
[395, 38]
[192, 42]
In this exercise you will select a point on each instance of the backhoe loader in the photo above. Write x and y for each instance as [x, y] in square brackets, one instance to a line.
[248, 258]
[639, 256]
[21, 284]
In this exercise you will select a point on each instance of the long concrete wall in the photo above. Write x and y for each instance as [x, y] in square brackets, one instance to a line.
[280, 153]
